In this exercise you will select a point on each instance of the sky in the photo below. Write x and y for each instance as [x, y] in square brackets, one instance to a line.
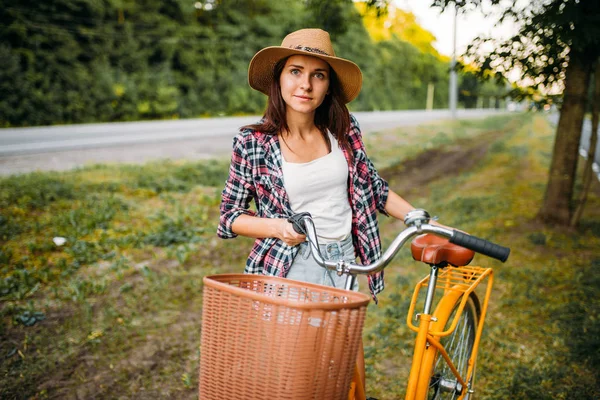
[469, 26]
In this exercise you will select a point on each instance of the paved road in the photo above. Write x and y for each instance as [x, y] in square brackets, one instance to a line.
[70, 146]
[584, 149]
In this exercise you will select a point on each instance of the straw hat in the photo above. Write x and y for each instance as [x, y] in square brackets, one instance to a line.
[311, 42]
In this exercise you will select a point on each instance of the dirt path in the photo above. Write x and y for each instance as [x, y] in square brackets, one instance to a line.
[415, 174]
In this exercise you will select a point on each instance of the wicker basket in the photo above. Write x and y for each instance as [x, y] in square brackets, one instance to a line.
[273, 338]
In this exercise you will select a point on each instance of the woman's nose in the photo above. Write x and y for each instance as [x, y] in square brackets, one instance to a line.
[305, 84]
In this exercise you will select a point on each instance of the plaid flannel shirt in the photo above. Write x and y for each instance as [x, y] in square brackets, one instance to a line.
[255, 174]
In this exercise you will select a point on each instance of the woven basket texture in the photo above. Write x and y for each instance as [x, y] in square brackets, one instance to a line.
[273, 338]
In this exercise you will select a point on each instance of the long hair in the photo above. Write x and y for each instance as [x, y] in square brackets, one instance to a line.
[332, 114]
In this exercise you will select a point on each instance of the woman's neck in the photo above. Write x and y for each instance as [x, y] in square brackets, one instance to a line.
[300, 125]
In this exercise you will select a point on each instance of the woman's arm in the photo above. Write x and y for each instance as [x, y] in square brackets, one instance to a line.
[257, 227]
[397, 207]
[238, 192]
[236, 217]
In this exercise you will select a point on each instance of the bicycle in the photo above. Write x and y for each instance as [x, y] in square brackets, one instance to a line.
[447, 341]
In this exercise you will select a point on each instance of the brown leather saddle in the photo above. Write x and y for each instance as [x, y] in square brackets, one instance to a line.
[435, 250]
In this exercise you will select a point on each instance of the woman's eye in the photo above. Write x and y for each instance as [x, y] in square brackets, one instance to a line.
[319, 75]
[295, 71]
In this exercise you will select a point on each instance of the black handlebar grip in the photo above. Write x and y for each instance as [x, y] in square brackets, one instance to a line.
[296, 221]
[480, 245]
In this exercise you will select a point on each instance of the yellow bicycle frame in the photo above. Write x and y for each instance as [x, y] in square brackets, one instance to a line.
[457, 284]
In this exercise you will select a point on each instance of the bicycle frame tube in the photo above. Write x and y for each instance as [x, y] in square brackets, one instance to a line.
[442, 312]
[436, 343]
[431, 289]
[420, 345]
[445, 307]
[421, 341]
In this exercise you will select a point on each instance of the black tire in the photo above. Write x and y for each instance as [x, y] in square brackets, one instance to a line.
[459, 346]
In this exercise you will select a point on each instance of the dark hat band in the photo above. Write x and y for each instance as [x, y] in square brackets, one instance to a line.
[311, 50]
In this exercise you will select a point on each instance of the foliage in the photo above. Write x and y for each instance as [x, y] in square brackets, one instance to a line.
[103, 61]
[548, 32]
[397, 22]
[94, 61]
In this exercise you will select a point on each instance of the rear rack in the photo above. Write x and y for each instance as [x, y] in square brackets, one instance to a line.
[458, 281]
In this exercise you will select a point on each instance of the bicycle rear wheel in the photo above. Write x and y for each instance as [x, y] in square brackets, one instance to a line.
[443, 385]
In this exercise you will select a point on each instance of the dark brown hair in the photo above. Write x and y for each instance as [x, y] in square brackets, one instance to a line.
[332, 114]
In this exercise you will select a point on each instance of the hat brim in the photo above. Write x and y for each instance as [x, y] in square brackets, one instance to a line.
[260, 71]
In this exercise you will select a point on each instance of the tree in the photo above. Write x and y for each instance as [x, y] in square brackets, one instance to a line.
[588, 173]
[397, 22]
[556, 46]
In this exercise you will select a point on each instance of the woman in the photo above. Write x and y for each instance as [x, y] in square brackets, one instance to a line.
[306, 154]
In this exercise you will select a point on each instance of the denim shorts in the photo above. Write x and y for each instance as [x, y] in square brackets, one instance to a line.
[305, 268]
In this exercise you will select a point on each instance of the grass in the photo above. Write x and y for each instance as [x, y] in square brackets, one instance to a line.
[117, 308]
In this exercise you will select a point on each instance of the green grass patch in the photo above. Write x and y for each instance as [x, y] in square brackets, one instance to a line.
[117, 308]
[397, 145]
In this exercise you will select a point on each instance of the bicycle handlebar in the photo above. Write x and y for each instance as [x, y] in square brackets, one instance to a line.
[418, 223]
[481, 246]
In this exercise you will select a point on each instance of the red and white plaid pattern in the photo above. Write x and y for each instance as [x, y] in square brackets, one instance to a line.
[255, 174]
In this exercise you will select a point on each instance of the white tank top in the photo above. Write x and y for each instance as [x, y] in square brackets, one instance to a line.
[321, 188]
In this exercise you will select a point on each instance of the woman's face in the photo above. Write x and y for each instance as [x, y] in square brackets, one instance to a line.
[304, 83]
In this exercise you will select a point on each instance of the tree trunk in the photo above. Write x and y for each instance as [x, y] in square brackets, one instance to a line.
[588, 172]
[559, 191]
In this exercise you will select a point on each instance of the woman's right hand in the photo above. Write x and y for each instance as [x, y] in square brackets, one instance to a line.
[259, 227]
[287, 233]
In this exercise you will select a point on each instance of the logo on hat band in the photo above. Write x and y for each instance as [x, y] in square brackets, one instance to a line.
[311, 50]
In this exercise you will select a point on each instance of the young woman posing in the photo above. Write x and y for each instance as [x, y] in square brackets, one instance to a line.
[306, 154]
